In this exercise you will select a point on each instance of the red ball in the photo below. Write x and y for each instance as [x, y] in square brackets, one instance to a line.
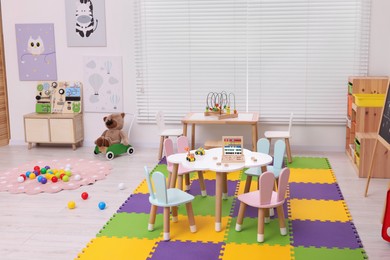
[24, 176]
[37, 168]
[84, 195]
[54, 179]
[62, 175]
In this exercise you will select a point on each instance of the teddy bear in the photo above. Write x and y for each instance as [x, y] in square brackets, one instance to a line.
[114, 133]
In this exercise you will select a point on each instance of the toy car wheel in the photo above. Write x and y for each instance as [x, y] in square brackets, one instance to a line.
[95, 152]
[110, 155]
[130, 150]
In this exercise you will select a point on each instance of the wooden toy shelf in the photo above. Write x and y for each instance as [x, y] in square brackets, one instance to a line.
[54, 128]
[364, 112]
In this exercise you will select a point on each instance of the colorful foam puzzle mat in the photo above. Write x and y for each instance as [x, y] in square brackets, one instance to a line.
[319, 223]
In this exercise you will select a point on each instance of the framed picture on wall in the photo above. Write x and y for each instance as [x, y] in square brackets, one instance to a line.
[103, 91]
[85, 23]
[36, 51]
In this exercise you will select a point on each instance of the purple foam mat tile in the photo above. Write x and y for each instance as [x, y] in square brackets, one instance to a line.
[315, 191]
[138, 203]
[210, 187]
[251, 212]
[163, 160]
[186, 250]
[324, 234]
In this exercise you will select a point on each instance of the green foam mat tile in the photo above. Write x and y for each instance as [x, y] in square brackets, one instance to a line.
[309, 163]
[205, 206]
[131, 225]
[310, 253]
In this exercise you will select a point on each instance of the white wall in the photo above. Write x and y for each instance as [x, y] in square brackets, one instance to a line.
[119, 27]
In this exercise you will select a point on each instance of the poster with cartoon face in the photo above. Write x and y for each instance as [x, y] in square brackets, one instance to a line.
[36, 52]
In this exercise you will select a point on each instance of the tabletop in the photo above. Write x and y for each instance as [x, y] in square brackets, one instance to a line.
[212, 158]
[200, 118]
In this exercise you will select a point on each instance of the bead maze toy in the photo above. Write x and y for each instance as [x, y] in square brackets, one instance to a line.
[218, 104]
[59, 97]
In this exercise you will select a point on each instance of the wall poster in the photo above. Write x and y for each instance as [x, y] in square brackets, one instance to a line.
[36, 52]
[103, 84]
[85, 23]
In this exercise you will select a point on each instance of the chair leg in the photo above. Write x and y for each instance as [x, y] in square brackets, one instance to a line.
[288, 150]
[267, 214]
[282, 223]
[260, 226]
[152, 217]
[240, 216]
[174, 214]
[169, 179]
[187, 182]
[191, 219]
[160, 151]
[201, 184]
[248, 183]
[224, 188]
[166, 235]
[180, 182]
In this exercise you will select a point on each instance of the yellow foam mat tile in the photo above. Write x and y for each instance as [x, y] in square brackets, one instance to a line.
[252, 188]
[312, 176]
[256, 251]
[205, 226]
[117, 248]
[210, 175]
[321, 210]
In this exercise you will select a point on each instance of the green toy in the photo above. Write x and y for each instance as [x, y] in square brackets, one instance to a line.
[114, 150]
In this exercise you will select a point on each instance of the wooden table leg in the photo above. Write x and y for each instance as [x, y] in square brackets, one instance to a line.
[185, 129]
[224, 187]
[160, 150]
[172, 183]
[254, 137]
[218, 200]
[193, 137]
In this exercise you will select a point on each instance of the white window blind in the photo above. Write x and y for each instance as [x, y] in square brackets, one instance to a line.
[276, 56]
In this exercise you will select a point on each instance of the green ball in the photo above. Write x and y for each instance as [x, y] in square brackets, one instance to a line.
[58, 174]
[65, 178]
[68, 173]
[43, 170]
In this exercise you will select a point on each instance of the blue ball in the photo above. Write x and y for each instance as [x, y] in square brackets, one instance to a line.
[28, 174]
[102, 205]
[39, 179]
[43, 180]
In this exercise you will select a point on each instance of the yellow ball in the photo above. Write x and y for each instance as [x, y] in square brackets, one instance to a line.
[71, 204]
[49, 176]
[32, 176]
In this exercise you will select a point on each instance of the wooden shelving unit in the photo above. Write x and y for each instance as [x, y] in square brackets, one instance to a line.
[362, 126]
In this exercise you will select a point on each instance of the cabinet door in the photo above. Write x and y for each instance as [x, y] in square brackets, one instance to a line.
[62, 131]
[37, 130]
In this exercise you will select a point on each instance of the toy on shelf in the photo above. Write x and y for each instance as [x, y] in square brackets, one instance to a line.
[200, 151]
[218, 104]
[113, 140]
[58, 97]
[190, 156]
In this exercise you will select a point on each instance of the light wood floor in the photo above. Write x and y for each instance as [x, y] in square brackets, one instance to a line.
[42, 227]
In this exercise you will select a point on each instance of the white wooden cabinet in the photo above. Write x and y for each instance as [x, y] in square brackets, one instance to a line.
[53, 128]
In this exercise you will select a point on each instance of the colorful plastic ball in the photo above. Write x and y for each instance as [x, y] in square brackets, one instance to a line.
[49, 176]
[84, 195]
[37, 172]
[24, 176]
[102, 205]
[77, 177]
[58, 175]
[121, 186]
[71, 204]
[47, 167]
[32, 176]
[65, 178]
[43, 171]
[43, 180]
[68, 173]
[54, 179]
[68, 166]
[62, 176]
[20, 179]
[28, 173]
[37, 168]
[39, 178]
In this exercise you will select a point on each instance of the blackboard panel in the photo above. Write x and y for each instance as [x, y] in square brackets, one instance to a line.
[384, 128]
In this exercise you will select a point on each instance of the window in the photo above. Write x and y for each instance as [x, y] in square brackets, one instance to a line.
[276, 56]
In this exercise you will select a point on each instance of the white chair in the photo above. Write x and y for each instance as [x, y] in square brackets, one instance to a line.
[160, 196]
[165, 133]
[286, 135]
